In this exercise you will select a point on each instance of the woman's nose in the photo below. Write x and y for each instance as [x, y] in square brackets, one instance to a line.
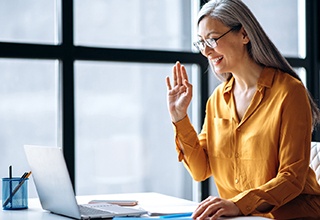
[206, 50]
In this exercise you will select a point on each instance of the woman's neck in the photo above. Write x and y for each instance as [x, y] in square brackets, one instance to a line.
[247, 77]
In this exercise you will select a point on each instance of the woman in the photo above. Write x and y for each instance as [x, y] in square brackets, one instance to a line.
[256, 136]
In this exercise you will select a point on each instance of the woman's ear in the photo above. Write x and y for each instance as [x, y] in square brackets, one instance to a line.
[245, 38]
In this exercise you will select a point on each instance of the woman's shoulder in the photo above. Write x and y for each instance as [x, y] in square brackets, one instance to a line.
[282, 79]
[287, 77]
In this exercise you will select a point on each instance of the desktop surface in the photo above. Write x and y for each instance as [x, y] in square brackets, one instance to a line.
[154, 203]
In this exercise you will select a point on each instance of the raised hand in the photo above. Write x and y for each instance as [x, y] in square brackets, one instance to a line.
[180, 94]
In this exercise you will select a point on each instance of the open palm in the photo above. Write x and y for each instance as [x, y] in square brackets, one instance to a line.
[180, 94]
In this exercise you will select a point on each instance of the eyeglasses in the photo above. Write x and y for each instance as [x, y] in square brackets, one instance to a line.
[210, 42]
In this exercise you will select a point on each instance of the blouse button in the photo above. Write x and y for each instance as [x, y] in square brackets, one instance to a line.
[237, 155]
[236, 180]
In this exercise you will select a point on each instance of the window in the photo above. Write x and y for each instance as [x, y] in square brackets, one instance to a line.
[122, 124]
[28, 110]
[286, 28]
[103, 97]
[29, 21]
[142, 24]
[124, 136]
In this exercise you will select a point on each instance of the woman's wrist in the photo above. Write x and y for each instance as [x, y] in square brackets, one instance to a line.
[177, 119]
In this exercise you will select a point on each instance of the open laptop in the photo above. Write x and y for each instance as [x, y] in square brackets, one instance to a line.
[55, 189]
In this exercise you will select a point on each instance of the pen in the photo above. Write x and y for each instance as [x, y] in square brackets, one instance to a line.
[10, 172]
[179, 215]
[23, 178]
[10, 185]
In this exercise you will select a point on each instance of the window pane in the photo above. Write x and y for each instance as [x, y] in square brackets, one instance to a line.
[31, 21]
[284, 23]
[28, 110]
[124, 135]
[302, 74]
[142, 24]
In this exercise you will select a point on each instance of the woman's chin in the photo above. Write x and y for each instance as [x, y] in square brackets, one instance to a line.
[218, 71]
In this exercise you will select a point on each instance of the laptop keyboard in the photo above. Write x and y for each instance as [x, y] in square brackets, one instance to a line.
[91, 211]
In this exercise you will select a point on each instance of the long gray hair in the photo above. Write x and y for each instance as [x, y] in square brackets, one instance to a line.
[234, 13]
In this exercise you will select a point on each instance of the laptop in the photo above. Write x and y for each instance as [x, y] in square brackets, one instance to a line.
[55, 189]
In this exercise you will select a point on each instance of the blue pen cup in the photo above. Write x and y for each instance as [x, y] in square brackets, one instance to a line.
[14, 193]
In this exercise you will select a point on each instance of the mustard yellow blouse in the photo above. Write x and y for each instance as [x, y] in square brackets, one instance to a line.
[262, 158]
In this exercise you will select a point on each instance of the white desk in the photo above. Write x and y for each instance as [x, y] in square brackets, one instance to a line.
[153, 202]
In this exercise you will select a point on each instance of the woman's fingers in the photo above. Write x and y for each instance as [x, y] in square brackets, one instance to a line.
[176, 75]
[201, 209]
[212, 210]
[214, 207]
[210, 207]
[168, 83]
[184, 74]
[179, 93]
[179, 74]
[180, 79]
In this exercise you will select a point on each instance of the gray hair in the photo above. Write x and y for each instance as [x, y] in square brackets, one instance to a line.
[234, 13]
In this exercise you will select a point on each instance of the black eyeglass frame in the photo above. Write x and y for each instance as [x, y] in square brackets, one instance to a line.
[210, 42]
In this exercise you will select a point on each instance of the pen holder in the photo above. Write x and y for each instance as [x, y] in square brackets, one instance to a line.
[14, 193]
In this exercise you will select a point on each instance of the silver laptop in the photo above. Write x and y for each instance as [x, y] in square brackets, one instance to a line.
[55, 190]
